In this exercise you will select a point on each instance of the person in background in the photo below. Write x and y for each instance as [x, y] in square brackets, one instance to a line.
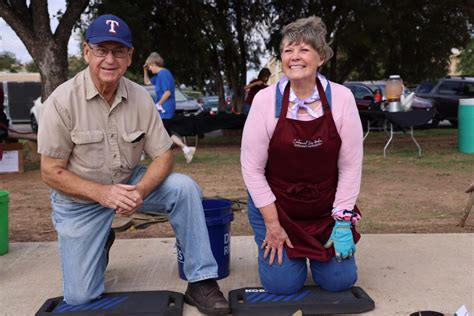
[301, 159]
[254, 86]
[165, 99]
[93, 130]
[3, 119]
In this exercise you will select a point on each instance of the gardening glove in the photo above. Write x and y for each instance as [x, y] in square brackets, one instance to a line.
[342, 239]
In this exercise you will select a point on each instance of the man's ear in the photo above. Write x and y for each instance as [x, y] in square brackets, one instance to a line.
[86, 50]
[130, 55]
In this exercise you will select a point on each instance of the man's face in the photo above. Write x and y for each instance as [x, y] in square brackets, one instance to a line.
[107, 61]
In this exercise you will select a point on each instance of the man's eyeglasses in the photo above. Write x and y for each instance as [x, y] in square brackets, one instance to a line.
[100, 51]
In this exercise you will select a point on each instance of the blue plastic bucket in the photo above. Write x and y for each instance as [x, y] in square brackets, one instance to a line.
[218, 213]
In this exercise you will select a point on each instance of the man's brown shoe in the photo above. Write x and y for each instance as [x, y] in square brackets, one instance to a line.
[207, 297]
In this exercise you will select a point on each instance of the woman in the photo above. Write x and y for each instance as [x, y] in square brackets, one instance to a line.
[254, 86]
[302, 162]
[165, 100]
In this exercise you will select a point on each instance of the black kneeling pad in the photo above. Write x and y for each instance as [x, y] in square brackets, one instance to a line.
[310, 300]
[165, 303]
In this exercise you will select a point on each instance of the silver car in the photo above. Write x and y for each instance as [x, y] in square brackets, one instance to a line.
[184, 104]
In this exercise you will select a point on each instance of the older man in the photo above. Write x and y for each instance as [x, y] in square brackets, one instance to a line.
[93, 130]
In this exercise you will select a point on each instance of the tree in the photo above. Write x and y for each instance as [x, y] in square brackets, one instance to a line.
[373, 39]
[466, 59]
[206, 44]
[75, 64]
[30, 21]
[31, 67]
[8, 61]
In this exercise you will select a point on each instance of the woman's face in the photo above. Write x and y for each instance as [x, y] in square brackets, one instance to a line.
[300, 61]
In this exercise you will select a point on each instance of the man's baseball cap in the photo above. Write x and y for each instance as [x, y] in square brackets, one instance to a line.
[107, 28]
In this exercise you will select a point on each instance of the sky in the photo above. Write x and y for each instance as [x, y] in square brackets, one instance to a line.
[10, 42]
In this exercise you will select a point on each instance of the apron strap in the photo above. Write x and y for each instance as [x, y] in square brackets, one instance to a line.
[329, 121]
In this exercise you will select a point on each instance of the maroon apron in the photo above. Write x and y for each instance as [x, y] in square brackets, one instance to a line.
[303, 174]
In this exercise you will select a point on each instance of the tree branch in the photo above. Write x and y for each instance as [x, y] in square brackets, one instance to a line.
[41, 22]
[18, 17]
[70, 17]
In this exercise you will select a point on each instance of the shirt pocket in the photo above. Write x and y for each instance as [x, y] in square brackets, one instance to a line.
[89, 148]
[132, 148]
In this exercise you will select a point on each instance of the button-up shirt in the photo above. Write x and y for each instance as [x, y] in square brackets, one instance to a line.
[102, 142]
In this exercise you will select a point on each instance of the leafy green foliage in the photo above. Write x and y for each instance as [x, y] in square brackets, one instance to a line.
[31, 22]
[8, 62]
[212, 43]
[373, 39]
[466, 62]
[205, 44]
[75, 64]
[31, 67]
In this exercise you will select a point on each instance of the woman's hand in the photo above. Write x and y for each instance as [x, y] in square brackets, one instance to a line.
[274, 241]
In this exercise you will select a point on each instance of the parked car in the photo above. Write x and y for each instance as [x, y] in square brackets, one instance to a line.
[35, 114]
[211, 102]
[445, 94]
[364, 94]
[184, 105]
[377, 84]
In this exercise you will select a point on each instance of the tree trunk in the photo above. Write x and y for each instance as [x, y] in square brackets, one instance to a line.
[241, 59]
[49, 51]
[333, 62]
[52, 63]
[216, 69]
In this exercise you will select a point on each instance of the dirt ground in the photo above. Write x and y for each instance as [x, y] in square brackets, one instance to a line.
[399, 194]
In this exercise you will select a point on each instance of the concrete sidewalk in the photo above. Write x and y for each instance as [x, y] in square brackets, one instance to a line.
[403, 273]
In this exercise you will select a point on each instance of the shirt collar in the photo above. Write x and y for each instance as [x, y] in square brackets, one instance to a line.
[91, 89]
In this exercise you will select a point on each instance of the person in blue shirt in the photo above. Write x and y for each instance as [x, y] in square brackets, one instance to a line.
[165, 100]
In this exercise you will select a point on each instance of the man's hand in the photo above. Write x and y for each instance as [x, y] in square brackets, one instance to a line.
[274, 241]
[124, 198]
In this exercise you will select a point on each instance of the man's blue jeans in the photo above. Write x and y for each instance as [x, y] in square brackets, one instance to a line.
[291, 275]
[83, 230]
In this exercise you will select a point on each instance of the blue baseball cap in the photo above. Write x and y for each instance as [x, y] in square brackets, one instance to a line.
[107, 28]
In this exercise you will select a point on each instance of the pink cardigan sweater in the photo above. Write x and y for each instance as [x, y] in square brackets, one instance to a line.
[258, 131]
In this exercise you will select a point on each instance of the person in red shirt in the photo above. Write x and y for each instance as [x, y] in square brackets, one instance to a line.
[254, 86]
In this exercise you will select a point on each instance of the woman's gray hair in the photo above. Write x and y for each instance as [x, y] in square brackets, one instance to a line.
[156, 59]
[311, 31]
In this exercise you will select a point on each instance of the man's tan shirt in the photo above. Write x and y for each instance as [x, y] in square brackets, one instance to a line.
[102, 143]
